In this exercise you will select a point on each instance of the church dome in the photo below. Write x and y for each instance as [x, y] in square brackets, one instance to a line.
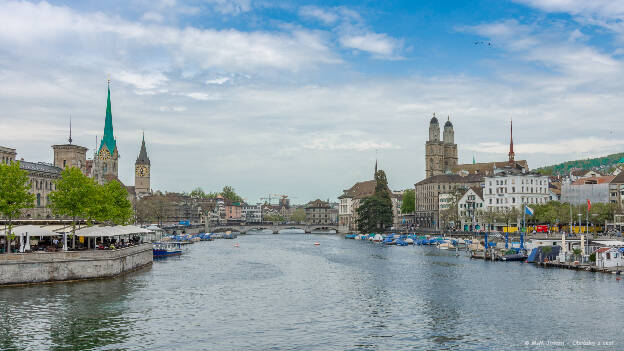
[448, 124]
[434, 120]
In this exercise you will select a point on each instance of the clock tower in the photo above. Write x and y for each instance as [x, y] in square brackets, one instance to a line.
[107, 156]
[142, 171]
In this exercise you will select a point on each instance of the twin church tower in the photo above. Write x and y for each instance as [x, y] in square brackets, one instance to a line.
[440, 154]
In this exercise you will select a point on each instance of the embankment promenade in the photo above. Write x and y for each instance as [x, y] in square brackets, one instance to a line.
[40, 267]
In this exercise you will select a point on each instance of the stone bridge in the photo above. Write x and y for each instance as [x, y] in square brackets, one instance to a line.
[275, 228]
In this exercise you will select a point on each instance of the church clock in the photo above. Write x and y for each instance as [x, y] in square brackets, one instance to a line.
[142, 170]
[104, 154]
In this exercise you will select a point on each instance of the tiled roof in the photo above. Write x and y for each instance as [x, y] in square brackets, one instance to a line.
[361, 190]
[594, 180]
[452, 178]
[39, 167]
[486, 167]
[318, 203]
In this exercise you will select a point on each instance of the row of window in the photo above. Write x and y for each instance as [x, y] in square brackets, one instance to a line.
[531, 190]
[41, 184]
[524, 200]
[513, 181]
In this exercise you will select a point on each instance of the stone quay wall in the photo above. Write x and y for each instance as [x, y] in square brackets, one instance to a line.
[39, 267]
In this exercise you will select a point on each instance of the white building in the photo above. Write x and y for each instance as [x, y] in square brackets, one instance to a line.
[251, 213]
[470, 207]
[609, 257]
[513, 187]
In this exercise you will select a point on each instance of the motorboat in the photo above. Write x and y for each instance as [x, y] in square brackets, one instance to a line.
[162, 250]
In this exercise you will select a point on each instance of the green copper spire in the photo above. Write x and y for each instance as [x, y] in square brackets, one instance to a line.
[473, 160]
[108, 139]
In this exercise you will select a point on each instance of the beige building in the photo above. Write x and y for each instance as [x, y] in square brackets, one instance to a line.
[427, 192]
[318, 212]
[42, 177]
[7, 155]
[350, 201]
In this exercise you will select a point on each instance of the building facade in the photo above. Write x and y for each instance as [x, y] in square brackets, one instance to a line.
[470, 207]
[427, 195]
[7, 155]
[318, 212]
[512, 187]
[251, 213]
[42, 178]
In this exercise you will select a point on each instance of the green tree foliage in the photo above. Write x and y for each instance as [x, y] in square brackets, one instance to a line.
[554, 212]
[409, 201]
[199, 193]
[14, 195]
[375, 212]
[78, 196]
[273, 217]
[118, 207]
[229, 194]
[606, 162]
[298, 216]
[74, 197]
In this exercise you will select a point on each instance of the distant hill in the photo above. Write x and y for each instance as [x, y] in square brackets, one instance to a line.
[604, 164]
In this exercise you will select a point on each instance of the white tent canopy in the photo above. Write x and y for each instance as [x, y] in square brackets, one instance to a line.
[32, 230]
[97, 231]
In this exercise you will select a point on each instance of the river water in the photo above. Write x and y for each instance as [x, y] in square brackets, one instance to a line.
[281, 292]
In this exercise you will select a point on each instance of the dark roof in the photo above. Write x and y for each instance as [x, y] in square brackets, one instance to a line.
[487, 167]
[318, 203]
[110, 177]
[143, 159]
[39, 167]
[448, 124]
[452, 178]
[434, 120]
[618, 178]
[361, 190]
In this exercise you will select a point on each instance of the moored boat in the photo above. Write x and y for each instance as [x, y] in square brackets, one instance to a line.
[162, 250]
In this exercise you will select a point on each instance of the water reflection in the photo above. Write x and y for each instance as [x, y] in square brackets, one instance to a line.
[282, 292]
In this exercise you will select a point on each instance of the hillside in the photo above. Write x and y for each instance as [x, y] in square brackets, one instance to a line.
[603, 164]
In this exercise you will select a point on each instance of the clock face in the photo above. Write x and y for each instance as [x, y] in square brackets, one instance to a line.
[142, 170]
[104, 155]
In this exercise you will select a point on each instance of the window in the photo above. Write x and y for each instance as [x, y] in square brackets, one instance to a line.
[38, 200]
[64, 163]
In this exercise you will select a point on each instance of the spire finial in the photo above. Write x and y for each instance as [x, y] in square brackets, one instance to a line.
[511, 151]
[143, 136]
[70, 138]
[376, 151]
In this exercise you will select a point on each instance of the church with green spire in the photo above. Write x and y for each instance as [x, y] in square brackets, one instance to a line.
[106, 162]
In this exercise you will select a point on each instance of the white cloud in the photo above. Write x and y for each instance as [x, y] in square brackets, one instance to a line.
[375, 43]
[42, 27]
[346, 141]
[314, 12]
[202, 96]
[218, 81]
[141, 81]
[152, 16]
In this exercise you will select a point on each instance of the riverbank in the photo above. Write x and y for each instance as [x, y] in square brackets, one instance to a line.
[42, 267]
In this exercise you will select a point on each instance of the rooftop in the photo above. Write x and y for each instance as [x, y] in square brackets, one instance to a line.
[452, 178]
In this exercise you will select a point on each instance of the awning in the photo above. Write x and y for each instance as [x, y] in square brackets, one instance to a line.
[32, 230]
[97, 231]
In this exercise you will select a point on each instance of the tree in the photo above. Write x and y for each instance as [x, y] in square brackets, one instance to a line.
[409, 201]
[274, 217]
[200, 194]
[229, 193]
[118, 207]
[375, 211]
[510, 215]
[490, 216]
[152, 208]
[14, 195]
[299, 215]
[74, 197]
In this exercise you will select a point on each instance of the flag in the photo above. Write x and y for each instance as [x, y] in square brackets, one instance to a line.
[588, 205]
[528, 210]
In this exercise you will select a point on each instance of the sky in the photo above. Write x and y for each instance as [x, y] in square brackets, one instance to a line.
[301, 97]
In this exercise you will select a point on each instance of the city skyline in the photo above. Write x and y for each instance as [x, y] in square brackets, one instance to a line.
[304, 118]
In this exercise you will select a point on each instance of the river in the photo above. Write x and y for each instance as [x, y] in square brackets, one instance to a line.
[281, 292]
